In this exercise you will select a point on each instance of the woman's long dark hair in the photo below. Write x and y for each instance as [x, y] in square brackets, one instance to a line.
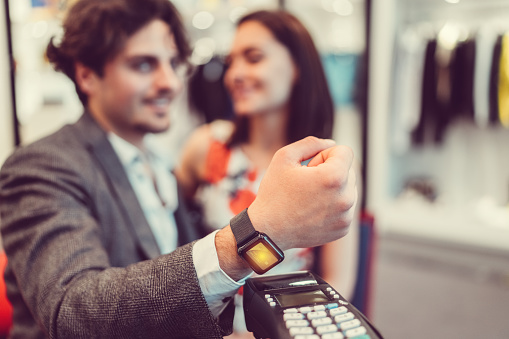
[311, 107]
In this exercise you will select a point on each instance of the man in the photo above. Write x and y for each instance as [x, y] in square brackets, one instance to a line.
[89, 224]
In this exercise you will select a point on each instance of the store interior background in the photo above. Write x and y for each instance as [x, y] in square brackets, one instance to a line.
[442, 264]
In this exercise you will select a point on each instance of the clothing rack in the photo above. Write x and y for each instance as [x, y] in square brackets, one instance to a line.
[447, 74]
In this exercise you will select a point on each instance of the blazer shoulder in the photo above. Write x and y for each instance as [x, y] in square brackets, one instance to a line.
[62, 149]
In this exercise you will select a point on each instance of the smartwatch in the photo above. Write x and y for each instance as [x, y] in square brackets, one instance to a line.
[256, 248]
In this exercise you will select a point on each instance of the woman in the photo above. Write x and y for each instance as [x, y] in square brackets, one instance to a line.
[279, 94]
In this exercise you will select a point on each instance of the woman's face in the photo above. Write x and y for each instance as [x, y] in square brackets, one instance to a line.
[261, 72]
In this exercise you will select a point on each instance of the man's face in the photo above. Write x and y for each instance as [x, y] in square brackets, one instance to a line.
[133, 96]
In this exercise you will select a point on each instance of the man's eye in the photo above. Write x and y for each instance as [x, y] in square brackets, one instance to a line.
[143, 66]
[175, 63]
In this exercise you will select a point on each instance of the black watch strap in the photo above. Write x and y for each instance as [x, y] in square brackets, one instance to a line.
[242, 228]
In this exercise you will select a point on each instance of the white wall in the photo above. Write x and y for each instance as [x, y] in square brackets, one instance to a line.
[6, 123]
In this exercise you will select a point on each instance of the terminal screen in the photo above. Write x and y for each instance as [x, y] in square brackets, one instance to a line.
[301, 298]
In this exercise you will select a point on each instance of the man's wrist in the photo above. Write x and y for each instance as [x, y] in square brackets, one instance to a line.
[262, 223]
[229, 260]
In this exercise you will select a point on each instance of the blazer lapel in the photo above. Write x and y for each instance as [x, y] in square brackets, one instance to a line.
[98, 143]
[186, 225]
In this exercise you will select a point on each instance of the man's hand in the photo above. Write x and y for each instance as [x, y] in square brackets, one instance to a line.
[305, 206]
[298, 206]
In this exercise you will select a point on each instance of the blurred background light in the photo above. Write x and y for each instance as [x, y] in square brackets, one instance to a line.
[204, 49]
[39, 29]
[203, 20]
[236, 13]
[343, 7]
[328, 5]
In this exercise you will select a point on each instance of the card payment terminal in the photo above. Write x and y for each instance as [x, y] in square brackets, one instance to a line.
[301, 305]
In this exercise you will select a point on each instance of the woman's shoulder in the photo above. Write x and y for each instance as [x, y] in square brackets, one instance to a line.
[201, 138]
[220, 130]
[215, 131]
[207, 144]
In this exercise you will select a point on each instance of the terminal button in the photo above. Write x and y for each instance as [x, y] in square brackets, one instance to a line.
[344, 317]
[350, 324]
[355, 332]
[293, 316]
[297, 323]
[337, 311]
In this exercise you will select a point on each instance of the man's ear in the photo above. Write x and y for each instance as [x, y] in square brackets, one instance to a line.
[86, 78]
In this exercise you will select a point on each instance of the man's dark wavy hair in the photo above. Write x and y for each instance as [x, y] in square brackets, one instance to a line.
[96, 30]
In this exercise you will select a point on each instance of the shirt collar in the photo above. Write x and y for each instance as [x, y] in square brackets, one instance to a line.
[129, 154]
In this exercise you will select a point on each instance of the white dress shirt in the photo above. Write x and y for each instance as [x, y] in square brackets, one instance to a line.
[151, 170]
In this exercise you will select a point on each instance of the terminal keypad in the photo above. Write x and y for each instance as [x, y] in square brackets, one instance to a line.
[332, 321]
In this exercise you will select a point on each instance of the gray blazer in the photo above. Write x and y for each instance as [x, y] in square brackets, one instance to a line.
[83, 262]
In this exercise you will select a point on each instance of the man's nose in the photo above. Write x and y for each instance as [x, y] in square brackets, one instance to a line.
[168, 79]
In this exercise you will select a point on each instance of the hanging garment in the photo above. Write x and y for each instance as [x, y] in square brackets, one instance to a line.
[463, 81]
[485, 41]
[493, 96]
[428, 96]
[503, 83]
[410, 52]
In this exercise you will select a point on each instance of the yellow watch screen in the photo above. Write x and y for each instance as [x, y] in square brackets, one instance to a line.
[262, 256]
[261, 253]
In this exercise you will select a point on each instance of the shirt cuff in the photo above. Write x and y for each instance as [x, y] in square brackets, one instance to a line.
[217, 287]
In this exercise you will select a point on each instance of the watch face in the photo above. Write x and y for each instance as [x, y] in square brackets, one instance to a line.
[262, 255]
